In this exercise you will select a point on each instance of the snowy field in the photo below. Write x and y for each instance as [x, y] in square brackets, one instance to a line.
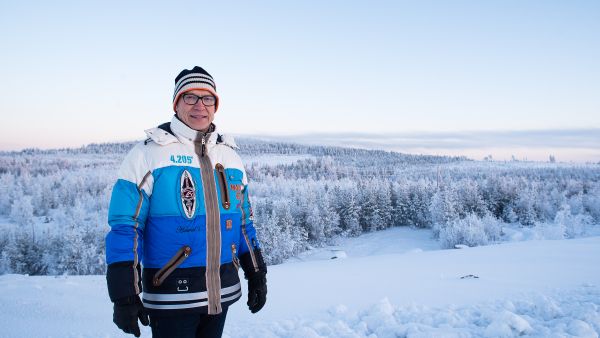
[392, 283]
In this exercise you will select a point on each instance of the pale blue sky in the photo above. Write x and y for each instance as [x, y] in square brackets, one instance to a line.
[75, 72]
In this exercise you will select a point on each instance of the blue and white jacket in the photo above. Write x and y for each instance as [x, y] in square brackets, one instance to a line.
[180, 209]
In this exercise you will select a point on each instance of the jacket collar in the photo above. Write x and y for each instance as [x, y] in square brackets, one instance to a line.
[180, 132]
[185, 133]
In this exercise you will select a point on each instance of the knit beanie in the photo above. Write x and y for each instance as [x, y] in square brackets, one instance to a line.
[196, 78]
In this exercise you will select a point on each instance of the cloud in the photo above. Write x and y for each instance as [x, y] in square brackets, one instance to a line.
[569, 144]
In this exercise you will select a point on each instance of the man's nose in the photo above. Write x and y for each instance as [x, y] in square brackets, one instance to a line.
[199, 105]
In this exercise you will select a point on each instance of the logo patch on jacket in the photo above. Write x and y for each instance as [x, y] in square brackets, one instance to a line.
[188, 194]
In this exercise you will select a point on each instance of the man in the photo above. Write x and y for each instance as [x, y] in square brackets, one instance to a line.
[180, 208]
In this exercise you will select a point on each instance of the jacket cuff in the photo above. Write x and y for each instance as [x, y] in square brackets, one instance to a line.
[253, 268]
[125, 300]
[121, 279]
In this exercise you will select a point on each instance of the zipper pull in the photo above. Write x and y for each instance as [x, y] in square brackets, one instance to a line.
[203, 144]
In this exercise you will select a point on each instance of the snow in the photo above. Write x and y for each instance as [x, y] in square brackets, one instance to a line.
[516, 232]
[5, 223]
[275, 159]
[393, 283]
[390, 241]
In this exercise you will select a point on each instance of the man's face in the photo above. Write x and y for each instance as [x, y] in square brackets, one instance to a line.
[196, 116]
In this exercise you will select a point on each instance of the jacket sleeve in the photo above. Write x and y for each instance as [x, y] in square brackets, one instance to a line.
[127, 217]
[251, 259]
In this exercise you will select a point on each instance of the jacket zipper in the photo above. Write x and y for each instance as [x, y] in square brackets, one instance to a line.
[172, 264]
[250, 248]
[213, 230]
[136, 277]
[234, 258]
[223, 185]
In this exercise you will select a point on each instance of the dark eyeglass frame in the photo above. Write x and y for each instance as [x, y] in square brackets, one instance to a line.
[191, 99]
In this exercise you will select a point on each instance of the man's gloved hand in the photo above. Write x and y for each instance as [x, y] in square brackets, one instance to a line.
[257, 291]
[127, 311]
[255, 271]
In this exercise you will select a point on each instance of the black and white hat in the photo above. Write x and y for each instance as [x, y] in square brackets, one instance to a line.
[196, 78]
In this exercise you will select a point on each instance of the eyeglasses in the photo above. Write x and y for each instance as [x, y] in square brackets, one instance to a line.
[192, 99]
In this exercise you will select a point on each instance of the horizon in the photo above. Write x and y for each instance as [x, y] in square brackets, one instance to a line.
[566, 146]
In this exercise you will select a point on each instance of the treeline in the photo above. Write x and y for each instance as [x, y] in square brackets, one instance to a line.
[464, 204]
[56, 203]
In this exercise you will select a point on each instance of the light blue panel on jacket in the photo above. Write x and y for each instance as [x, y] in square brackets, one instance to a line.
[248, 223]
[124, 203]
[126, 228]
[240, 209]
[166, 194]
[233, 178]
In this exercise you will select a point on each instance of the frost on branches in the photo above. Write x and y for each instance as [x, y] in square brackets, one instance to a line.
[53, 204]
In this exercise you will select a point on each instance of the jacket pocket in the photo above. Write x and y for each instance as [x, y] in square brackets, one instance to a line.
[223, 186]
[162, 274]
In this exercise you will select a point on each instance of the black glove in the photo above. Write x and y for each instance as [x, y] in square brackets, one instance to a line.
[126, 313]
[257, 280]
[257, 291]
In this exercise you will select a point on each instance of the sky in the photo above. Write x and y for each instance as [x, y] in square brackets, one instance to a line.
[76, 72]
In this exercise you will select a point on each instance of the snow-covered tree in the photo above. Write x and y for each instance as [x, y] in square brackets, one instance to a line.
[54, 195]
[7, 191]
[524, 207]
[329, 216]
[572, 225]
[444, 206]
[349, 211]
[467, 231]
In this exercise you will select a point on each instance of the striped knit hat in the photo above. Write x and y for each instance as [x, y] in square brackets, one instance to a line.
[197, 78]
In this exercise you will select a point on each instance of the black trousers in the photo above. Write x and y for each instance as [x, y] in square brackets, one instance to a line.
[188, 326]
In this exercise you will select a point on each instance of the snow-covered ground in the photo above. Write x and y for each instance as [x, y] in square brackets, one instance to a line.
[391, 241]
[393, 283]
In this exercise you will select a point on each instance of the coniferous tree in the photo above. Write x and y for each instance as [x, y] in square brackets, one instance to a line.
[330, 217]
[524, 208]
[50, 195]
[7, 191]
[419, 200]
[350, 210]
[384, 203]
[402, 208]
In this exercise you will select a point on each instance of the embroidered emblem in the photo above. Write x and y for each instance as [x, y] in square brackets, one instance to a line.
[188, 194]
[228, 224]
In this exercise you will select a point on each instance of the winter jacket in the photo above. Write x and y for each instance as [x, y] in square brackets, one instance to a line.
[180, 208]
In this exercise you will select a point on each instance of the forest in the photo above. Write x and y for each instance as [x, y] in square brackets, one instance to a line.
[53, 203]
